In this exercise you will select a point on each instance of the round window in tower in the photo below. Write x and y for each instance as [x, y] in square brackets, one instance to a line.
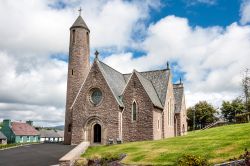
[96, 96]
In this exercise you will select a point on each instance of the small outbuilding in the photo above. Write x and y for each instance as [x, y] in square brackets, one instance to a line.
[19, 132]
[50, 136]
[61, 133]
[3, 138]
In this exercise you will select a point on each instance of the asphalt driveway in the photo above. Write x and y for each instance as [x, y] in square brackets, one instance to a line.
[34, 155]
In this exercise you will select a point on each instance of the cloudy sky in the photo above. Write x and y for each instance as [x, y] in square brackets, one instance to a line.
[207, 43]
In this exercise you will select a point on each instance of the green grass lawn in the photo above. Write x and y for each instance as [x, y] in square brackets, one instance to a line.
[217, 144]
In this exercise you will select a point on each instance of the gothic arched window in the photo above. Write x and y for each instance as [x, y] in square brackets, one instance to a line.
[134, 111]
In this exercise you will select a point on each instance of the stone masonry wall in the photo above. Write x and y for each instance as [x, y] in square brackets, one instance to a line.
[78, 68]
[168, 112]
[183, 117]
[85, 114]
[157, 123]
[142, 128]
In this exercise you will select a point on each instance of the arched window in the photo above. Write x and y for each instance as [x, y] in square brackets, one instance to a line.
[134, 111]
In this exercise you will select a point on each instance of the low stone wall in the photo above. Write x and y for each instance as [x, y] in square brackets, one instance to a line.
[232, 163]
[69, 158]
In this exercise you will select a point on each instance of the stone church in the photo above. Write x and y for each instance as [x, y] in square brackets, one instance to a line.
[104, 104]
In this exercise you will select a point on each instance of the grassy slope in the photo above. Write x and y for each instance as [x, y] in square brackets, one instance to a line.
[217, 144]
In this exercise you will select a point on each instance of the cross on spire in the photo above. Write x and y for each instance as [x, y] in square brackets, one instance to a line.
[168, 68]
[96, 54]
[80, 11]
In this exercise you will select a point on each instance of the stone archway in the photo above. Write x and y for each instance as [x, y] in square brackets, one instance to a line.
[94, 130]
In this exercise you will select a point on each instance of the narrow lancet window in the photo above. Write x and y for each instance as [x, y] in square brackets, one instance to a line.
[134, 111]
[69, 128]
[73, 37]
[87, 34]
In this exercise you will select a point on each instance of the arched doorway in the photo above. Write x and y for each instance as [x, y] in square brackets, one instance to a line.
[97, 133]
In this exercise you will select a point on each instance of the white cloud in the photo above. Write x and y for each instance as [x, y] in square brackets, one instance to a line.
[32, 31]
[33, 85]
[211, 58]
[41, 115]
[37, 94]
[245, 12]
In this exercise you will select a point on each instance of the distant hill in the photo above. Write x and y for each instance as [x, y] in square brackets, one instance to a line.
[61, 127]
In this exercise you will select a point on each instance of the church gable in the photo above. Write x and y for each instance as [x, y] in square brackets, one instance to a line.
[95, 103]
[97, 70]
[138, 125]
[179, 97]
[159, 80]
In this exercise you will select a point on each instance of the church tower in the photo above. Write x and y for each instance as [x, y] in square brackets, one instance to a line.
[78, 67]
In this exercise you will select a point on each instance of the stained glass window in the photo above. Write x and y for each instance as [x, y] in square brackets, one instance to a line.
[96, 96]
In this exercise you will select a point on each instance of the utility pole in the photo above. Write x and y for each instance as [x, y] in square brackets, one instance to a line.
[194, 120]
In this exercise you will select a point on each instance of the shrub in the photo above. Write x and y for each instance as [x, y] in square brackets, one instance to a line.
[109, 157]
[192, 160]
[81, 162]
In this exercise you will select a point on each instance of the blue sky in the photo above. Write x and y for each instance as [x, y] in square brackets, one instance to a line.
[221, 12]
[206, 42]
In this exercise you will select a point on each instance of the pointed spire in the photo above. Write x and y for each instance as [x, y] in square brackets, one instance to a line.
[96, 54]
[180, 81]
[80, 23]
[168, 68]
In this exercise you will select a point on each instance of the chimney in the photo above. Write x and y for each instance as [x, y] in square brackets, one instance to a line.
[29, 122]
[6, 122]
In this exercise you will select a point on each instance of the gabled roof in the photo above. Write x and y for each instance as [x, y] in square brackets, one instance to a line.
[2, 136]
[159, 79]
[49, 134]
[178, 96]
[20, 128]
[154, 82]
[150, 90]
[79, 23]
[114, 79]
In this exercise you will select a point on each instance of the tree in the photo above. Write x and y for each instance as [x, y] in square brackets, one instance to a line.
[246, 89]
[201, 115]
[229, 110]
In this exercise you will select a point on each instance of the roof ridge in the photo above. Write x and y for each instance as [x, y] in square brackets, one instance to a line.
[137, 73]
[147, 71]
[110, 67]
[104, 76]
[113, 69]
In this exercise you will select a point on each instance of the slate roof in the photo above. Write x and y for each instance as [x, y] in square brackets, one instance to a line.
[154, 82]
[2, 136]
[20, 128]
[114, 79]
[178, 95]
[149, 88]
[159, 79]
[79, 23]
[49, 134]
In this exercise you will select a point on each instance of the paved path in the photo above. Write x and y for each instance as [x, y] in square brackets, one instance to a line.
[34, 155]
